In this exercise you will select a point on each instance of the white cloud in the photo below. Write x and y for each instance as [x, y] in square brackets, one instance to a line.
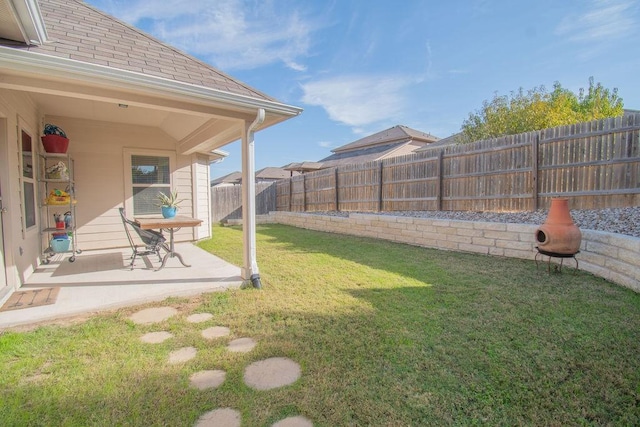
[231, 34]
[359, 100]
[603, 20]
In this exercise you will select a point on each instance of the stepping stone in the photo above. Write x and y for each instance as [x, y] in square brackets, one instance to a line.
[182, 355]
[215, 332]
[241, 345]
[225, 417]
[199, 317]
[153, 315]
[156, 337]
[298, 421]
[271, 373]
[207, 379]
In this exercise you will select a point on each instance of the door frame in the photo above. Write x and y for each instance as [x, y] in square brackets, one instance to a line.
[5, 283]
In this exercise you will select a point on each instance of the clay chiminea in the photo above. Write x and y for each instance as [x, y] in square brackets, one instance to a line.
[559, 234]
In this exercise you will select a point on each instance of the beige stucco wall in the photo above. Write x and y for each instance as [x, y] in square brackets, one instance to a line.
[99, 150]
[21, 249]
[615, 257]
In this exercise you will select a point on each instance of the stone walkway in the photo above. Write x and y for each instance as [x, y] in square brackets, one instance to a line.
[262, 375]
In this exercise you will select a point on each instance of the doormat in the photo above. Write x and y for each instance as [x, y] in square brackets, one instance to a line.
[31, 298]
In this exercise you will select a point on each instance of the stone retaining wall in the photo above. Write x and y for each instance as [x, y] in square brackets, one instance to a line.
[615, 257]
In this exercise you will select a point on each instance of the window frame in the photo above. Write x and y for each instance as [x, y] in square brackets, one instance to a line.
[128, 181]
[27, 180]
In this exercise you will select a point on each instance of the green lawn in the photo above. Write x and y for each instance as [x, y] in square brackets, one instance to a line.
[386, 335]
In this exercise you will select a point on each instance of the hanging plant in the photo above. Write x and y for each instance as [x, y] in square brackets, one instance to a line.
[50, 129]
[54, 139]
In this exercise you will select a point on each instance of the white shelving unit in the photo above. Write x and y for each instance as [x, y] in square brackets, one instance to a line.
[48, 208]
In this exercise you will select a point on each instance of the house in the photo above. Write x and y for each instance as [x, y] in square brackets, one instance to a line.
[126, 101]
[271, 174]
[233, 178]
[443, 142]
[268, 174]
[396, 141]
[303, 167]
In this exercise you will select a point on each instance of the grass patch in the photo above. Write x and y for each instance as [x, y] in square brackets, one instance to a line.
[386, 334]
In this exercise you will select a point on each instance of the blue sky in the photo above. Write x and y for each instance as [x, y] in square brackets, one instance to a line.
[357, 67]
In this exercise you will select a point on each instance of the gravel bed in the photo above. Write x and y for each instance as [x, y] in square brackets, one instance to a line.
[613, 220]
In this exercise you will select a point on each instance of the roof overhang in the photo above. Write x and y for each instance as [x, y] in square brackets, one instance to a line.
[216, 156]
[200, 119]
[21, 21]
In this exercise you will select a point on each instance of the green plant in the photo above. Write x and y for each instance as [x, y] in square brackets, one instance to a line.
[539, 109]
[50, 129]
[169, 200]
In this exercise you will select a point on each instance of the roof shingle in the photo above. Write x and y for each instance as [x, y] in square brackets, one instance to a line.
[395, 134]
[82, 33]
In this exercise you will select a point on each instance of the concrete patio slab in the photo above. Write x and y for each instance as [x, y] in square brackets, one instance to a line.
[102, 280]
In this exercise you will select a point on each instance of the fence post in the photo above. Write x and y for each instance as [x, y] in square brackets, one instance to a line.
[439, 181]
[304, 193]
[534, 172]
[337, 192]
[290, 192]
[380, 189]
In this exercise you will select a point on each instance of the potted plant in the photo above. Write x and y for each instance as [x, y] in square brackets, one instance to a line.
[169, 203]
[54, 139]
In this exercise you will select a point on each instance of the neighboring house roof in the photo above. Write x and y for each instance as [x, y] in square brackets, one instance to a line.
[366, 154]
[264, 174]
[450, 140]
[273, 174]
[395, 134]
[232, 178]
[65, 50]
[396, 141]
[303, 167]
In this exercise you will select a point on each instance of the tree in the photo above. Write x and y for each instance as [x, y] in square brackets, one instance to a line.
[538, 109]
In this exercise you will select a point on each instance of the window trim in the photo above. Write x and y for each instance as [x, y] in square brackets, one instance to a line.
[128, 182]
[33, 179]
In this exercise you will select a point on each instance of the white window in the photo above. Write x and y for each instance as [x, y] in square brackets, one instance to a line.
[27, 181]
[147, 174]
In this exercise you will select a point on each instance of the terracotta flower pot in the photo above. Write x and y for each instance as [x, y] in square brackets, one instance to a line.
[55, 143]
[559, 234]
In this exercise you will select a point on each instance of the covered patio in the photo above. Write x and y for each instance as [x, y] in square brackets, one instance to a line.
[102, 280]
[142, 117]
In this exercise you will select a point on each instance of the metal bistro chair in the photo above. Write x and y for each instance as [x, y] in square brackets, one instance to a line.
[153, 240]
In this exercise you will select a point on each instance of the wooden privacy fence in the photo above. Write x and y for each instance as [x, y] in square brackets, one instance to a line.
[226, 202]
[595, 164]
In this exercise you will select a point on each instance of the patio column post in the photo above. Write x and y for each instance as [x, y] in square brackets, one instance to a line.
[250, 272]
